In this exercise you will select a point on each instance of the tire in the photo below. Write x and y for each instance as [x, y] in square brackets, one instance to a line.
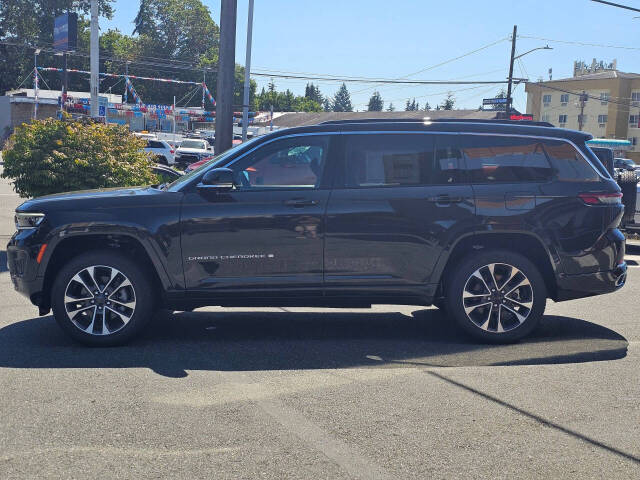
[628, 182]
[513, 320]
[124, 307]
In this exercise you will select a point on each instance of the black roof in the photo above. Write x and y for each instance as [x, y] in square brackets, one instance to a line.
[541, 129]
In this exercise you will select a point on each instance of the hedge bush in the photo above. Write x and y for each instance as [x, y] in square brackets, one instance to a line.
[53, 156]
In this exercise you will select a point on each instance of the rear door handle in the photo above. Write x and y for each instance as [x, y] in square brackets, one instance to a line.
[445, 199]
[300, 202]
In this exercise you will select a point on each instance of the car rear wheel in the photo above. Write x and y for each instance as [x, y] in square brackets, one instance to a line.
[496, 296]
[102, 298]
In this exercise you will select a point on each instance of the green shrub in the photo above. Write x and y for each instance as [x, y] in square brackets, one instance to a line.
[53, 156]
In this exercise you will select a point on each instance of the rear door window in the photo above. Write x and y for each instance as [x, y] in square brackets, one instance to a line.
[494, 159]
[389, 160]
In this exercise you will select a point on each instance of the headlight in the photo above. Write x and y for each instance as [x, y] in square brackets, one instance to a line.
[28, 220]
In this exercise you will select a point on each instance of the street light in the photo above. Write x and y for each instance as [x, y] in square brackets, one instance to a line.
[546, 47]
[513, 58]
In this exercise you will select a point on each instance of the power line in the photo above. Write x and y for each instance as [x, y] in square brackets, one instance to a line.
[582, 44]
[617, 5]
[625, 104]
[484, 47]
[382, 81]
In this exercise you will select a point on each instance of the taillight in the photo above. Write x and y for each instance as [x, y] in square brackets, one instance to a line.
[595, 198]
[172, 151]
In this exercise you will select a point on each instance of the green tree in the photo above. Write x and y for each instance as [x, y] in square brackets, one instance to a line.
[391, 108]
[342, 100]
[411, 105]
[501, 94]
[52, 156]
[448, 102]
[427, 107]
[312, 92]
[376, 104]
[181, 29]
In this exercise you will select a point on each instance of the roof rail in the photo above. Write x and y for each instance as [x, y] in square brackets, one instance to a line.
[438, 120]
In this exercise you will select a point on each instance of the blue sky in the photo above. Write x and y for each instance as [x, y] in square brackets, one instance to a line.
[391, 39]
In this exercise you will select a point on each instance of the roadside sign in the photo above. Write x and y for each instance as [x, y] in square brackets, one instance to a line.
[524, 116]
[102, 105]
[494, 101]
[65, 32]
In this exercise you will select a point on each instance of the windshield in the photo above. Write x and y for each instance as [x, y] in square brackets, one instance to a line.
[194, 144]
[215, 161]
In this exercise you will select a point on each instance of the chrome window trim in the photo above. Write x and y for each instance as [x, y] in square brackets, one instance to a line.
[416, 132]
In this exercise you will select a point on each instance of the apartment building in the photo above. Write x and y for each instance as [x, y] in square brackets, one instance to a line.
[608, 99]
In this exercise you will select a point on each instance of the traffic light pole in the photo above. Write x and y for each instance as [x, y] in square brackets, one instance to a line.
[513, 53]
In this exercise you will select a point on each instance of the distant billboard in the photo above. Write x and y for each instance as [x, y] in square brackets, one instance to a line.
[65, 32]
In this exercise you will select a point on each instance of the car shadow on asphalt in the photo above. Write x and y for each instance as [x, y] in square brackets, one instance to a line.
[253, 340]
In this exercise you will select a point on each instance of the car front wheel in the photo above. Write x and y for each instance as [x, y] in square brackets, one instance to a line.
[496, 296]
[102, 298]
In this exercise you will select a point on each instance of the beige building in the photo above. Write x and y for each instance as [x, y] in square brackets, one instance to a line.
[610, 108]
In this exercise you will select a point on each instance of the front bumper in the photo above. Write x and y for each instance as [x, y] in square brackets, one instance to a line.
[23, 266]
[571, 287]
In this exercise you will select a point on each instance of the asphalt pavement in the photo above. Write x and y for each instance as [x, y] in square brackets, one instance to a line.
[387, 393]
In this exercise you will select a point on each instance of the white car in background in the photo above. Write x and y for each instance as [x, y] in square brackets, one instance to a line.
[161, 150]
[192, 150]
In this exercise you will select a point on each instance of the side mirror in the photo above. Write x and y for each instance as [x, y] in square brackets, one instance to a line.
[217, 180]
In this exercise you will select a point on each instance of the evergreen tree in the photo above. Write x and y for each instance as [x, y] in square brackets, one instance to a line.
[342, 100]
[326, 104]
[501, 94]
[391, 108]
[376, 104]
[271, 86]
[449, 102]
[312, 92]
[412, 106]
[427, 107]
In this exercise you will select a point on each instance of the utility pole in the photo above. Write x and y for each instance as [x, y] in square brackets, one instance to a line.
[126, 77]
[204, 82]
[94, 58]
[583, 99]
[247, 74]
[226, 70]
[35, 83]
[513, 52]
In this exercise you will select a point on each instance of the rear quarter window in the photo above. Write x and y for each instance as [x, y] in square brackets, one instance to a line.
[505, 159]
[569, 164]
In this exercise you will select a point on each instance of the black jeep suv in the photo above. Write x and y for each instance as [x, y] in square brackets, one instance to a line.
[483, 219]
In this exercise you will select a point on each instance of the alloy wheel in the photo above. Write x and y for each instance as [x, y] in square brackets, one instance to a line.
[497, 298]
[100, 300]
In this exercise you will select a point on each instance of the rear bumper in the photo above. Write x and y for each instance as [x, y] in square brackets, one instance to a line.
[571, 287]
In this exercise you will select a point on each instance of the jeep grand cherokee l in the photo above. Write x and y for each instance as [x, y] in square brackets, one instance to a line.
[484, 219]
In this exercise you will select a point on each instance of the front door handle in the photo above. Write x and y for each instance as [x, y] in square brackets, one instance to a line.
[445, 199]
[300, 202]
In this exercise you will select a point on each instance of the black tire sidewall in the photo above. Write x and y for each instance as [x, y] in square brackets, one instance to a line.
[456, 283]
[137, 277]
